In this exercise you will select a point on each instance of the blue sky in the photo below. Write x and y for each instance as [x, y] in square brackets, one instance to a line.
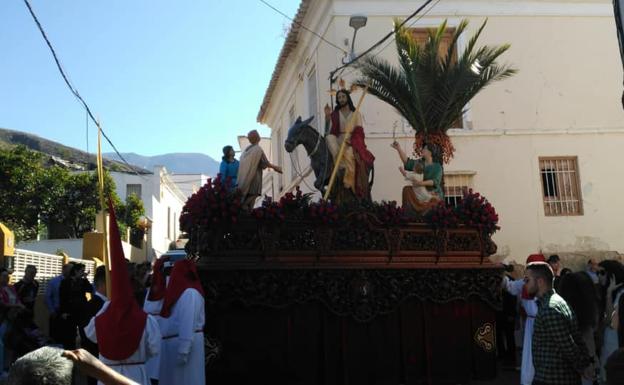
[163, 76]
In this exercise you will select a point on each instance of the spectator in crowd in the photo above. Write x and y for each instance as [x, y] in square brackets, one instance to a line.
[93, 307]
[560, 356]
[592, 270]
[53, 301]
[578, 291]
[615, 368]
[9, 306]
[8, 295]
[27, 288]
[229, 167]
[611, 297]
[555, 264]
[73, 301]
[53, 366]
[140, 278]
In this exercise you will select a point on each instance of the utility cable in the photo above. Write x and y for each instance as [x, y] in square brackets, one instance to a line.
[392, 40]
[304, 27]
[75, 91]
[383, 39]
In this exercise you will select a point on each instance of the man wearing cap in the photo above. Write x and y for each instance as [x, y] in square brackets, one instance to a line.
[126, 336]
[529, 312]
[182, 357]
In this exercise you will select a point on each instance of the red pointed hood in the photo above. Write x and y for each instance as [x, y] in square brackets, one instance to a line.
[183, 276]
[535, 258]
[159, 283]
[120, 328]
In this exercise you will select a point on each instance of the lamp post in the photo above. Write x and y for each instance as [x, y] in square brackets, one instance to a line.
[144, 223]
[618, 11]
[356, 22]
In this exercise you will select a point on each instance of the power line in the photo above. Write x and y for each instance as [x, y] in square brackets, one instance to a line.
[393, 38]
[72, 89]
[87, 129]
[383, 39]
[304, 27]
[409, 26]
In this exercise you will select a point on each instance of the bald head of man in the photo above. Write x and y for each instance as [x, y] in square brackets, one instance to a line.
[253, 136]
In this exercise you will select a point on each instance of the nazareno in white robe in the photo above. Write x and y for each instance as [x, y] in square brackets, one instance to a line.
[132, 367]
[527, 370]
[153, 308]
[183, 333]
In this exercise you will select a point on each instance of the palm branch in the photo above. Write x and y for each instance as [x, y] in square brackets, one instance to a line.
[430, 88]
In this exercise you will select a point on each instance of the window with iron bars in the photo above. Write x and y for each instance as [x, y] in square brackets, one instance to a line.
[561, 190]
[456, 183]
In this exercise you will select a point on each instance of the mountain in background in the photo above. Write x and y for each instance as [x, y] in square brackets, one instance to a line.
[58, 154]
[176, 163]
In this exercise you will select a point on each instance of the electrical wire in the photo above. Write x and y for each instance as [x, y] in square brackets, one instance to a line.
[304, 27]
[393, 38]
[383, 39]
[74, 90]
[87, 129]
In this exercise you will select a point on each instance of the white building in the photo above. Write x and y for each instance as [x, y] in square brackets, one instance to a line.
[189, 183]
[163, 202]
[542, 146]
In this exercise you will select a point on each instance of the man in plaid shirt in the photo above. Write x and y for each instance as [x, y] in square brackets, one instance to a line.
[560, 356]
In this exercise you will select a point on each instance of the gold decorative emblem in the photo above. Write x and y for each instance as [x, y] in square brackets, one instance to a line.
[485, 337]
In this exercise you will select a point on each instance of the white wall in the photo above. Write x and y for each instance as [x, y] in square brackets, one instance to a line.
[73, 247]
[163, 202]
[189, 183]
[565, 100]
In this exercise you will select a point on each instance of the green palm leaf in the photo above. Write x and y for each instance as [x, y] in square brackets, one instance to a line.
[430, 88]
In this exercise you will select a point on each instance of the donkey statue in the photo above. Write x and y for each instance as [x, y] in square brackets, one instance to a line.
[321, 160]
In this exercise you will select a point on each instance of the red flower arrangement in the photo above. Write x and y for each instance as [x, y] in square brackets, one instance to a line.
[290, 205]
[475, 211]
[269, 210]
[323, 212]
[441, 217]
[212, 205]
[390, 213]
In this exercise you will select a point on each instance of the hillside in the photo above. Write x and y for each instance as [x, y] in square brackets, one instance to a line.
[176, 163]
[57, 153]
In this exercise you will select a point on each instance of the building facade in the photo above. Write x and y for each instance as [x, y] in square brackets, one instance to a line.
[541, 145]
[163, 201]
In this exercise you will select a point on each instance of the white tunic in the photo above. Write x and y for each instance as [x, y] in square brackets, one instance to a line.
[153, 308]
[148, 347]
[183, 333]
[527, 371]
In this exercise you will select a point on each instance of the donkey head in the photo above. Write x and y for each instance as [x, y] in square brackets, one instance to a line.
[296, 133]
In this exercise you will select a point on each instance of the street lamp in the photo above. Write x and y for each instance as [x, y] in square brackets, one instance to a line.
[618, 11]
[145, 223]
[356, 22]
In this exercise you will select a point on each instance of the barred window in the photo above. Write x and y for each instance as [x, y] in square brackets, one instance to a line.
[456, 183]
[133, 189]
[561, 186]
